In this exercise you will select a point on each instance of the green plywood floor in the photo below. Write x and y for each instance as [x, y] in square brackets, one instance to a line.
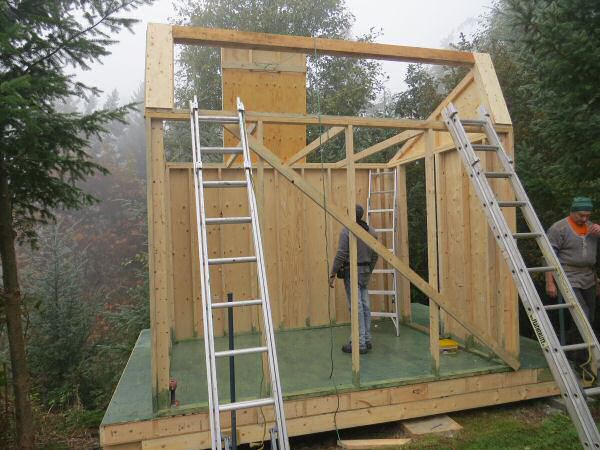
[305, 362]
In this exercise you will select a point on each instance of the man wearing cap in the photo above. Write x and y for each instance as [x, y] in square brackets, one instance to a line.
[575, 241]
[366, 262]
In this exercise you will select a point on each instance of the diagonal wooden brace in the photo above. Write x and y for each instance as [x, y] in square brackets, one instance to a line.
[402, 267]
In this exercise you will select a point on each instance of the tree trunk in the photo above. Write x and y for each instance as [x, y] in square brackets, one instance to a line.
[11, 298]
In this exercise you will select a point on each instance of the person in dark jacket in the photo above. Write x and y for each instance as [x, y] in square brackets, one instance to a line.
[367, 259]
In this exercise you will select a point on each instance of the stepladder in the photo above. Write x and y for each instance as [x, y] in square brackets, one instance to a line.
[573, 392]
[210, 261]
[382, 218]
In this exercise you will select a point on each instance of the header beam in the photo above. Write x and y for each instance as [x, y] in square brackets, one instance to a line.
[216, 37]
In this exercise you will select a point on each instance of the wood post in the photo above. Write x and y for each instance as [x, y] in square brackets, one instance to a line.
[351, 205]
[432, 253]
[158, 264]
[403, 285]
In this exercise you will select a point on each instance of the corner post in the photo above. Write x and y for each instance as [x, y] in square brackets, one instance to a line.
[432, 253]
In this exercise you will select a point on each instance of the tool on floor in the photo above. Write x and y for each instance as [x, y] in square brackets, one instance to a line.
[172, 389]
[382, 210]
[268, 337]
[448, 346]
[555, 353]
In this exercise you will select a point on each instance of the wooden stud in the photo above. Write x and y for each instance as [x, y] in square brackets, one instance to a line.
[432, 251]
[351, 211]
[158, 264]
[403, 286]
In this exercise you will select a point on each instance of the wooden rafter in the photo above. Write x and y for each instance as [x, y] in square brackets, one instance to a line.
[331, 133]
[381, 146]
[401, 266]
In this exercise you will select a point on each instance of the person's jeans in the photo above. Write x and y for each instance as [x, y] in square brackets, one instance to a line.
[364, 307]
[587, 300]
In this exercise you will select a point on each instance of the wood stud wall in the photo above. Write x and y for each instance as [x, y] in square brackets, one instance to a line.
[471, 271]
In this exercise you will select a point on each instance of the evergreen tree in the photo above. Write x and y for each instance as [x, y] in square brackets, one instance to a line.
[559, 47]
[43, 150]
[62, 315]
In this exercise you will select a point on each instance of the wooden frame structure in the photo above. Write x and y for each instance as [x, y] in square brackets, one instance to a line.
[469, 287]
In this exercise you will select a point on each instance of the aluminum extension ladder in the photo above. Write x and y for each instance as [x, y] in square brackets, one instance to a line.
[387, 200]
[555, 353]
[268, 338]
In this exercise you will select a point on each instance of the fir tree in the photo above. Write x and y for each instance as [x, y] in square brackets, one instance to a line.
[43, 150]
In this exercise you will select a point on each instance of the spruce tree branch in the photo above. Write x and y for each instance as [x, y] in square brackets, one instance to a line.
[101, 20]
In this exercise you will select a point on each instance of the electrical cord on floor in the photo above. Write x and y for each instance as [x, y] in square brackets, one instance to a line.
[324, 187]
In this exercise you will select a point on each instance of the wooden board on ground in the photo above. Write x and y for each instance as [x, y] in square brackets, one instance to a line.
[436, 424]
[372, 443]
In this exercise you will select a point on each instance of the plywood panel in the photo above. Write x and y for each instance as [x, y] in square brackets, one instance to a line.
[267, 82]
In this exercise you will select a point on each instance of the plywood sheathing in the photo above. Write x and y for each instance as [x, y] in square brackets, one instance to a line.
[267, 82]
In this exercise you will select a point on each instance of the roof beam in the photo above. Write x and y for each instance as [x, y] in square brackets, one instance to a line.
[215, 37]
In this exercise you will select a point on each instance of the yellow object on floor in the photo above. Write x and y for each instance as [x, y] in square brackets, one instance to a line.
[448, 345]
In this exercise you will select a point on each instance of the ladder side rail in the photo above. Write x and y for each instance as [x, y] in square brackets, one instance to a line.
[553, 352]
[581, 321]
[205, 280]
[264, 292]
[395, 298]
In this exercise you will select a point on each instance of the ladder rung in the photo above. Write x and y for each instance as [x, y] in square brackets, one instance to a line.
[592, 391]
[235, 304]
[222, 150]
[246, 404]
[234, 260]
[227, 220]
[557, 306]
[241, 351]
[224, 183]
[484, 147]
[381, 210]
[498, 174]
[568, 348]
[541, 269]
[379, 292]
[473, 122]
[382, 192]
[383, 271]
[510, 203]
[383, 230]
[219, 119]
[526, 235]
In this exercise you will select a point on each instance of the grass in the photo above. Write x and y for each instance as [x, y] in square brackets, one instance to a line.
[530, 425]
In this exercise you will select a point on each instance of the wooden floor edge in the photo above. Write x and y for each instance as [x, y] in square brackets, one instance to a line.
[357, 408]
